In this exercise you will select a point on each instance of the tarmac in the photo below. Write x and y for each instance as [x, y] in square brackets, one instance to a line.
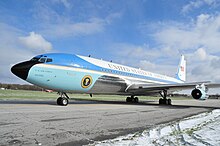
[39, 122]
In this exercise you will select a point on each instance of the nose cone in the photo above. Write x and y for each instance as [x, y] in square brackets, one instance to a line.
[21, 69]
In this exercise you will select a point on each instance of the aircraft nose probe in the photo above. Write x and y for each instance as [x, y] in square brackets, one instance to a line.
[21, 69]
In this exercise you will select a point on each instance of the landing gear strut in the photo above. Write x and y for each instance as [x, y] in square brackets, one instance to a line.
[63, 99]
[164, 99]
[132, 99]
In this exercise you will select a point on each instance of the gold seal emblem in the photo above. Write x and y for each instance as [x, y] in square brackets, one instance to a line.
[86, 81]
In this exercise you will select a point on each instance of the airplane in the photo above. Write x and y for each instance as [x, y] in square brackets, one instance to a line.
[68, 73]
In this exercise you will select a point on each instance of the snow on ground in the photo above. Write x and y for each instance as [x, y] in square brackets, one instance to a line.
[199, 130]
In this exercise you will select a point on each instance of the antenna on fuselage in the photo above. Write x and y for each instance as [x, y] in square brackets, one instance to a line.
[89, 55]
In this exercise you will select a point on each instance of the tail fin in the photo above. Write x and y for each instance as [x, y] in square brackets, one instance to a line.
[181, 71]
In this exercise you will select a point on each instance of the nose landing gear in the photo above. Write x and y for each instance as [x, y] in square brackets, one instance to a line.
[63, 99]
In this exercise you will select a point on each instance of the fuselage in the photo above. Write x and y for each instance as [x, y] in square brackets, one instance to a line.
[80, 74]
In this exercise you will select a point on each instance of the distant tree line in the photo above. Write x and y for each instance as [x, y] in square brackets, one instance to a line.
[20, 87]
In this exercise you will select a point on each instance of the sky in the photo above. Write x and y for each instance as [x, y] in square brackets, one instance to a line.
[146, 34]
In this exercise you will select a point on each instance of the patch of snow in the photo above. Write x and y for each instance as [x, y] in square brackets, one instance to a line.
[202, 129]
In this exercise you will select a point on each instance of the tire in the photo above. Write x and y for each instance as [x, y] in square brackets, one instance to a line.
[169, 102]
[128, 99]
[136, 100]
[59, 100]
[62, 101]
[161, 101]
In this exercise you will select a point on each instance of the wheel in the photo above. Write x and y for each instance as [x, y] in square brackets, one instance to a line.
[62, 101]
[59, 100]
[169, 101]
[161, 101]
[128, 99]
[136, 99]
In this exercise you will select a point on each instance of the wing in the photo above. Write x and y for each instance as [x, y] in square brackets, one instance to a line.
[145, 89]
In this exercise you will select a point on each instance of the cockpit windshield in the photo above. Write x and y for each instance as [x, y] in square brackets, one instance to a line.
[49, 60]
[41, 59]
[35, 59]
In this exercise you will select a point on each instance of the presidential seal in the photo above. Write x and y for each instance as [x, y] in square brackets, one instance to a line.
[86, 81]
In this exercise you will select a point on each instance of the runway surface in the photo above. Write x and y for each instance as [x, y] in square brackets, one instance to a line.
[41, 122]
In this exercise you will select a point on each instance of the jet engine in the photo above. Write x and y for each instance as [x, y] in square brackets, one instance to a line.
[200, 92]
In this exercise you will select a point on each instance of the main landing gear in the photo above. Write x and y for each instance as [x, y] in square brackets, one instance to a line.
[132, 99]
[164, 99]
[63, 99]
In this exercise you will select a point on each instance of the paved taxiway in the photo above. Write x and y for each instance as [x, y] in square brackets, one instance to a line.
[82, 122]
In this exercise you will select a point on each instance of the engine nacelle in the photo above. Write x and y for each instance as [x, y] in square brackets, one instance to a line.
[200, 92]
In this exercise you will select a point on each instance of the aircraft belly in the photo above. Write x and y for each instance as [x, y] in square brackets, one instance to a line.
[109, 85]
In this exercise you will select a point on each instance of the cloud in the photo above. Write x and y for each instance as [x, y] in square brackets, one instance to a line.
[197, 4]
[203, 66]
[158, 60]
[165, 68]
[201, 32]
[70, 23]
[10, 43]
[197, 39]
[145, 64]
[36, 41]
[66, 3]
[215, 63]
[67, 28]
[90, 27]
[143, 52]
[201, 54]
[134, 51]
[11, 52]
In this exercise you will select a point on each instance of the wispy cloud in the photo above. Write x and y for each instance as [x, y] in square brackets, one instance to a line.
[53, 23]
[159, 60]
[197, 4]
[13, 51]
[203, 31]
[68, 29]
[36, 41]
[198, 40]
[66, 3]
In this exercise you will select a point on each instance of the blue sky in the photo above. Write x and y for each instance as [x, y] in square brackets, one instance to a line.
[147, 34]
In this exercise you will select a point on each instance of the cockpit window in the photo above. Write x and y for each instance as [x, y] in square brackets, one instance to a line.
[35, 59]
[42, 60]
[49, 60]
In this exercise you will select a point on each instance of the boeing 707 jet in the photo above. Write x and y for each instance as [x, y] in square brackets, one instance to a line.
[67, 73]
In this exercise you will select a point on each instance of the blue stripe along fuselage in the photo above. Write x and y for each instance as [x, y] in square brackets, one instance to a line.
[65, 73]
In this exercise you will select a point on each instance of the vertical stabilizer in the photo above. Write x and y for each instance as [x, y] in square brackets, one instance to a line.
[181, 71]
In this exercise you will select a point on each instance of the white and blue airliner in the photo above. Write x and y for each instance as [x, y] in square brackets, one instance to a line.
[67, 73]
